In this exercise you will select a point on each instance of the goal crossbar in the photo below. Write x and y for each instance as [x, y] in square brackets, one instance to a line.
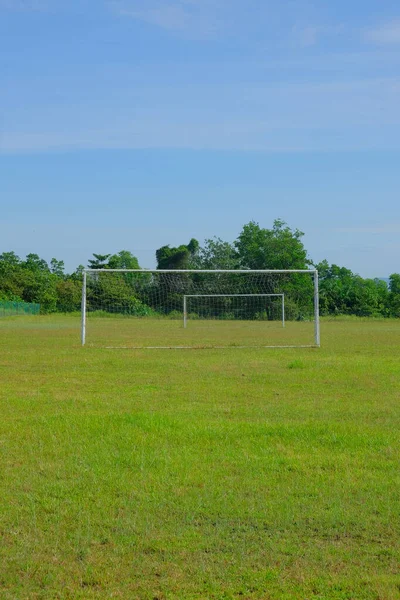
[200, 271]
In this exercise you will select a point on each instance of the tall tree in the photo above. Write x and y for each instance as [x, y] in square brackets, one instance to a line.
[394, 283]
[77, 275]
[10, 259]
[343, 292]
[33, 262]
[11, 276]
[217, 254]
[394, 295]
[57, 267]
[177, 258]
[123, 260]
[69, 294]
[99, 261]
[276, 248]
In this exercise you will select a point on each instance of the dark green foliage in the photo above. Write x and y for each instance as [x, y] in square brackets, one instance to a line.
[11, 287]
[276, 248]
[33, 281]
[343, 292]
[394, 295]
[216, 254]
[394, 283]
[177, 258]
[99, 261]
[57, 267]
[123, 260]
[120, 296]
[78, 273]
[69, 294]
[34, 263]
[10, 259]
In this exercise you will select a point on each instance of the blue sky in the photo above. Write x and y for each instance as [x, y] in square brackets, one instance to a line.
[130, 124]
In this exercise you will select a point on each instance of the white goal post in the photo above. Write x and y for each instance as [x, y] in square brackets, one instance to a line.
[234, 296]
[147, 305]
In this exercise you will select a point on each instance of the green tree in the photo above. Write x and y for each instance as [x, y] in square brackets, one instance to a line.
[10, 259]
[177, 258]
[216, 254]
[30, 280]
[368, 297]
[334, 288]
[343, 292]
[394, 283]
[77, 275]
[69, 293]
[57, 267]
[99, 261]
[114, 291]
[181, 257]
[123, 260]
[33, 262]
[40, 287]
[394, 295]
[276, 248]
[11, 277]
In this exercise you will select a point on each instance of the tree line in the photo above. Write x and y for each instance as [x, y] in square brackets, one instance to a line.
[342, 292]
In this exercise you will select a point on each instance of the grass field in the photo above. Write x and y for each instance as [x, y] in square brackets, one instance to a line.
[206, 474]
[127, 332]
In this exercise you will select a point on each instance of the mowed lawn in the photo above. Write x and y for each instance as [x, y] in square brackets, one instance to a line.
[199, 474]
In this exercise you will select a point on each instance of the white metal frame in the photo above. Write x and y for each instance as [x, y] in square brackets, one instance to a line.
[312, 272]
[185, 313]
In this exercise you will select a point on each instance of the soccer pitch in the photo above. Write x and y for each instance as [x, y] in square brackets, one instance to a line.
[130, 332]
[221, 474]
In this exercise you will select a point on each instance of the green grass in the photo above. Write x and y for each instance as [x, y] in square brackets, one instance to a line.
[127, 332]
[211, 474]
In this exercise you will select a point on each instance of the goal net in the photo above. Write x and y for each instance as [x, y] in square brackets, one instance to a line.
[234, 307]
[194, 309]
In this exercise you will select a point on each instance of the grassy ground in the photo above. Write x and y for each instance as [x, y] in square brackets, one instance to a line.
[129, 332]
[206, 474]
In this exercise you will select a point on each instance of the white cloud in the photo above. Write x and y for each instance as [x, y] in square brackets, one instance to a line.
[388, 33]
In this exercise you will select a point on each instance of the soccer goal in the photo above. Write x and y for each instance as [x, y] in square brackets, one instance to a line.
[200, 308]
